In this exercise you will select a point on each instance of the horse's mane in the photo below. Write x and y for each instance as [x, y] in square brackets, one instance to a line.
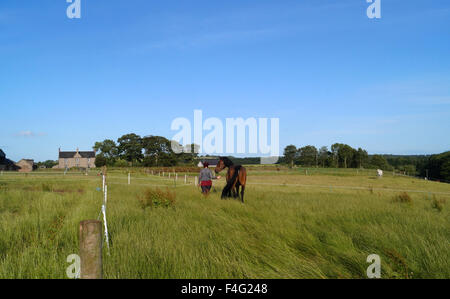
[226, 161]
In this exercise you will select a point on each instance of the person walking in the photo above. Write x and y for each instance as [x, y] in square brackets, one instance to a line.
[205, 179]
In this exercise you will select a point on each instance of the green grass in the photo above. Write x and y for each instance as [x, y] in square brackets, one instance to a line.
[291, 226]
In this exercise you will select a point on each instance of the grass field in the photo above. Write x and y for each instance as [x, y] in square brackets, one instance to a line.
[292, 225]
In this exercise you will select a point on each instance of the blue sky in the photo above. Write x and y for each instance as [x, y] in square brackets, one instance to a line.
[324, 68]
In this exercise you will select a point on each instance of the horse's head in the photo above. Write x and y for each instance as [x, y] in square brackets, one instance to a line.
[220, 166]
[224, 162]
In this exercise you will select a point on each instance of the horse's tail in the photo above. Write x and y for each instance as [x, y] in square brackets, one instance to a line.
[237, 169]
[232, 180]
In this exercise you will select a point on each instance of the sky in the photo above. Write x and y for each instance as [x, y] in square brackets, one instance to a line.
[327, 71]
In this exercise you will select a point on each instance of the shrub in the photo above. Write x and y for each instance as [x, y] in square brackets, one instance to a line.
[438, 204]
[154, 198]
[120, 163]
[403, 198]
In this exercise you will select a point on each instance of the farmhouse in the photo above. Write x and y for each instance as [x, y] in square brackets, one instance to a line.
[26, 165]
[76, 159]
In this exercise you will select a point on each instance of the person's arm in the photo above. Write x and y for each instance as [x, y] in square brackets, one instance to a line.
[212, 176]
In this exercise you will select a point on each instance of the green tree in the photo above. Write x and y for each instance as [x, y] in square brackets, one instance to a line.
[130, 148]
[158, 151]
[190, 154]
[378, 161]
[307, 155]
[438, 167]
[342, 154]
[290, 153]
[108, 149]
[361, 158]
[100, 160]
[47, 163]
[323, 156]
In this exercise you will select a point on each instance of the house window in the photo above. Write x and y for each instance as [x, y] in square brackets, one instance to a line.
[65, 162]
[77, 161]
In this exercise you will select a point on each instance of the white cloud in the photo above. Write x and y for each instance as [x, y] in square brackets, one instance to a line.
[30, 134]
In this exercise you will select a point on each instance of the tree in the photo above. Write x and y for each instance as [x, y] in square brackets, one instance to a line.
[130, 148]
[361, 158]
[100, 160]
[342, 154]
[323, 155]
[438, 166]
[307, 155]
[108, 149]
[158, 151]
[290, 152]
[378, 161]
[190, 153]
[47, 163]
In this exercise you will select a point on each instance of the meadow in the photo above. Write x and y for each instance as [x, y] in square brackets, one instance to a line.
[299, 223]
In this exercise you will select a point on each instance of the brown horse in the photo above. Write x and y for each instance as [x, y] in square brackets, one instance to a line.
[236, 177]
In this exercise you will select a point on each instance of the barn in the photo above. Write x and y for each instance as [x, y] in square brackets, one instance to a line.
[26, 165]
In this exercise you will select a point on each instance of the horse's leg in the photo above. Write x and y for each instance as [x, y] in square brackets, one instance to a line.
[236, 190]
[242, 182]
[229, 185]
[225, 192]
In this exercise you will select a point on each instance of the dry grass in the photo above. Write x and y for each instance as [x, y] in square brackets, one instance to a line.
[403, 198]
[153, 198]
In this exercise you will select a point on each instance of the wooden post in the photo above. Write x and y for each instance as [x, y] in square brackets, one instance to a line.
[185, 179]
[90, 237]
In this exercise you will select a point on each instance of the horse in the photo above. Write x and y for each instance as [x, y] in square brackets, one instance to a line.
[236, 177]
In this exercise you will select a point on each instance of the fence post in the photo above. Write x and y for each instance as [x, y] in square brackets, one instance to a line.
[185, 178]
[90, 238]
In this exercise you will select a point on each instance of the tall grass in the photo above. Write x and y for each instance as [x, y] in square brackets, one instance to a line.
[280, 232]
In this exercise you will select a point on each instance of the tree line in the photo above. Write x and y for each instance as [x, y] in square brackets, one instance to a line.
[436, 167]
[338, 156]
[156, 151]
[149, 151]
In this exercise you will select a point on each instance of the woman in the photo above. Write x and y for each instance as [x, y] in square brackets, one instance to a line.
[205, 179]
